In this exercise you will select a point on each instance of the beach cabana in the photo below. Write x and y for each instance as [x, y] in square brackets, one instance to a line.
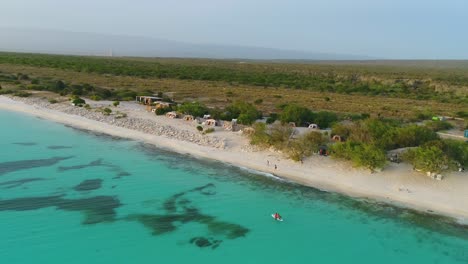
[171, 114]
[210, 122]
[337, 138]
[188, 118]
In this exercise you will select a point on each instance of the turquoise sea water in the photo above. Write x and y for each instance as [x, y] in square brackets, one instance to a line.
[69, 196]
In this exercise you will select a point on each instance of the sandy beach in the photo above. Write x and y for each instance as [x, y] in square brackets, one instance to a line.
[397, 183]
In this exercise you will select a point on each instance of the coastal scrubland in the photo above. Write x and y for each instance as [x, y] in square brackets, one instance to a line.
[387, 104]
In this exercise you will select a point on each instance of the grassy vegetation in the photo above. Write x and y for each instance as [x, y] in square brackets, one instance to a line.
[377, 98]
[389, 81]
[366, 142]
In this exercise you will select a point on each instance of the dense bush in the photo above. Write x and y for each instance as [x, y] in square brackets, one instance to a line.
[305, 145]
[325, 119]
[260, 136]
[116, 103]
[297, 114]
[413, 135]
[209, 130]
[438, 125]
[21, 94]
[245, 113]
[427, 158]
[162, 110]
[361, 154]
[351, 79]
[193, 108]
[107, 111]
[272, 118]
[77, 101]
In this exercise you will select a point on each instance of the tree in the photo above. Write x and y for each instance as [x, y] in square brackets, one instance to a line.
[260, 137]
[325, 119]
[427, 158]
[305, 145]
[413, 135]
[193, 108]
[297, 114]
[361, 154]
[77, 101]
[59, 85]
[457, 151]
[245, 113]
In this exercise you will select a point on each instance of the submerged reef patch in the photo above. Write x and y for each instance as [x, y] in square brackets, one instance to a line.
[58, 147]
[11, 166]
[25, 143]
[96, 209]
[16, 183]
[180, 210]
[88, 185]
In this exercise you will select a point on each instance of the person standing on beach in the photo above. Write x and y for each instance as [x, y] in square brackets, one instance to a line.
[276, 167]
[268, 163]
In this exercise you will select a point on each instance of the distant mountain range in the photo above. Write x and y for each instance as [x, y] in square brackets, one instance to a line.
[74, 43]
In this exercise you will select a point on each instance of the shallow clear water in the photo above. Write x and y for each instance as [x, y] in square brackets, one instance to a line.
[69, 196]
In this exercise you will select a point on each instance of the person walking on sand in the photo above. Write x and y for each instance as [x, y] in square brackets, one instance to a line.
[276, 167]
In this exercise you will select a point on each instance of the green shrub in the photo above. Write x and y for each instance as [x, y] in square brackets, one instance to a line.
[116, 103]
[297, 114]
[107, 111]
[95, 97]
[361, 154]
[209, 130]
[22, 94]
[438, 125]
[428, 158]
[258, 101]
[305, 145]
[77, 101]
[272, 118]
[413, 135]
[200, 128]
[162, 110]
[456, 151]
[53, 101]
[325, 119]
[260, 137]
[462, 114]
[245, 113]
[193, 108]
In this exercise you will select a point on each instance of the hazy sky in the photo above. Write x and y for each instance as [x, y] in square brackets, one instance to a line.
[431, 29]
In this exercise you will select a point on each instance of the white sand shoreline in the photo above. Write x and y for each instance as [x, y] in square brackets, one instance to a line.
[397, 184]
